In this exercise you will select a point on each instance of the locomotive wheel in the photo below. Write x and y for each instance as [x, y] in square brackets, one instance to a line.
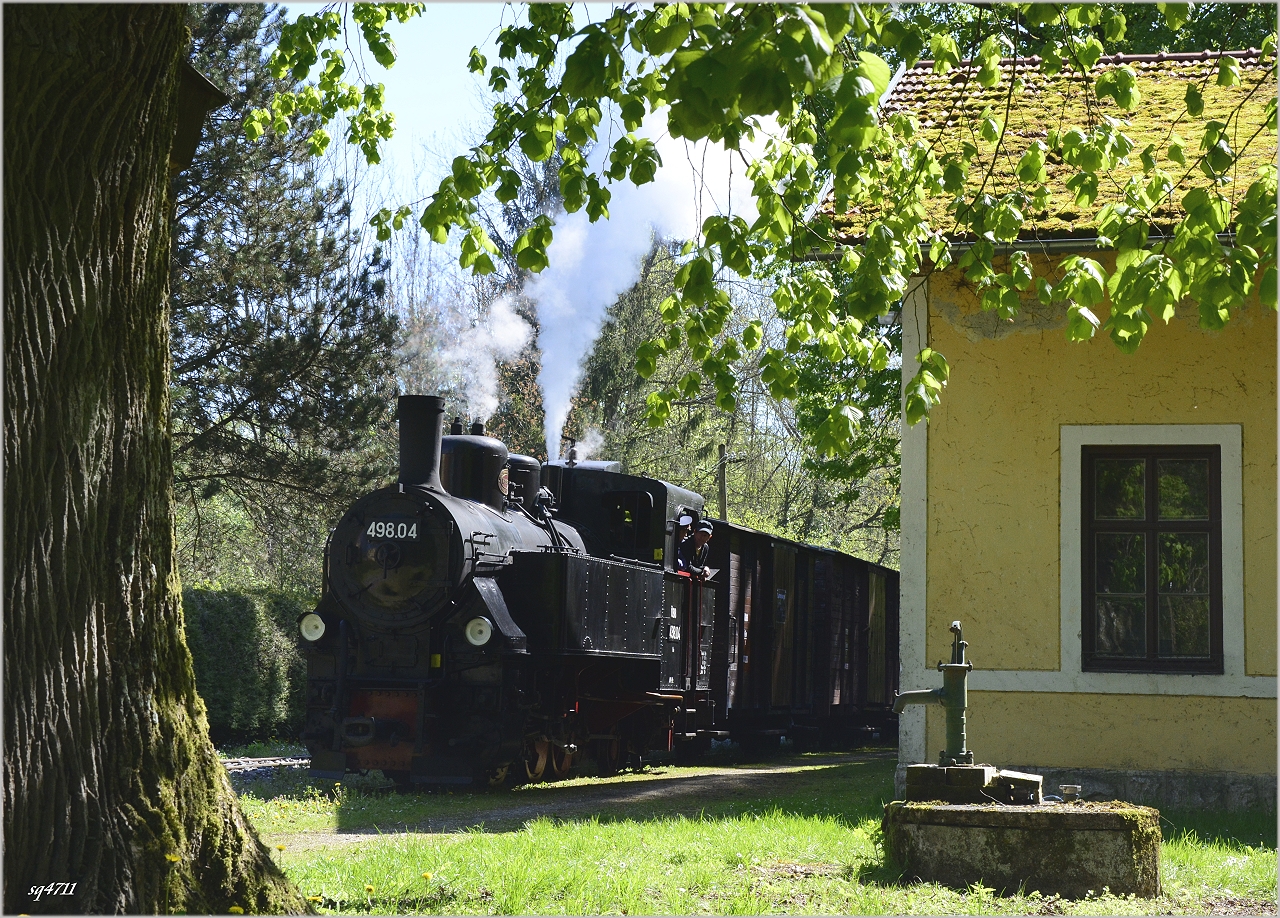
[561, 762]
[608, 756]
[493, 777]
[536, 753]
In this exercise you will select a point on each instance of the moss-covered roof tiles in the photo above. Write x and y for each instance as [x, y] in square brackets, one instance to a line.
[948, 108]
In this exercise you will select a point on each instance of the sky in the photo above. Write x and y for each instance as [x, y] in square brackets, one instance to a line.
[436, 100]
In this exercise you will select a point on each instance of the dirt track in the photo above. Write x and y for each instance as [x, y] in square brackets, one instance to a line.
[661, 790]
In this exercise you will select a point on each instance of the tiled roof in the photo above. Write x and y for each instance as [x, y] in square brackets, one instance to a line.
[948, 109]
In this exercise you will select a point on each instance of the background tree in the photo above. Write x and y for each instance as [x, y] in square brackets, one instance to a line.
[774, 480]
[283, 342]
[110, 781]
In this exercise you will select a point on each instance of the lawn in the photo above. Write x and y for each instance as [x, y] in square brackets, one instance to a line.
[792, 835]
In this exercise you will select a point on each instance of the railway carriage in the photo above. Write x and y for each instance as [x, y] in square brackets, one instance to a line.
[488, 618]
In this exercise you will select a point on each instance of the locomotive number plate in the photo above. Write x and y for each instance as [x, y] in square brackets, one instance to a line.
[392, 529]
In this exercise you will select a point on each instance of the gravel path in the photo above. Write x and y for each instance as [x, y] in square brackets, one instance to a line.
[668, 790]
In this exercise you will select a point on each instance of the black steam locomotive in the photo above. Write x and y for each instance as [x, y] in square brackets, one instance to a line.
[491, 618]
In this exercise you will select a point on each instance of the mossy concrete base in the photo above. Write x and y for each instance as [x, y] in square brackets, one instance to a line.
[1064, 849]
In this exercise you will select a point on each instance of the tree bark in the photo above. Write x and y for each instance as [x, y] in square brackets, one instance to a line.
[110, 781]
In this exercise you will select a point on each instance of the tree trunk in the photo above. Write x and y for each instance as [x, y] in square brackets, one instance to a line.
[110, 781]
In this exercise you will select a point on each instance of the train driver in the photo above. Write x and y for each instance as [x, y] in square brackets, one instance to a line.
[682, 528]
[693, 551]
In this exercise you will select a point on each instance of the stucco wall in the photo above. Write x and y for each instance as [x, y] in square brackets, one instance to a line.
[1056, 729]
[993, 460]
[993, 530]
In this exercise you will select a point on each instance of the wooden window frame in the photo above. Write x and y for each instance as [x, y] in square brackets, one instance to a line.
[1151, 526]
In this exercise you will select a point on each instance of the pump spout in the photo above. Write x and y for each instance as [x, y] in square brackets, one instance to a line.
[923, 696]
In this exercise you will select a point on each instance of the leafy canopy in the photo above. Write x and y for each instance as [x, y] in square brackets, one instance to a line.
[722, 72]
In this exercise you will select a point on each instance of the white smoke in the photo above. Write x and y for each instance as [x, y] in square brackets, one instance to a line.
[592, 264]
[589, 445]
[471, 360]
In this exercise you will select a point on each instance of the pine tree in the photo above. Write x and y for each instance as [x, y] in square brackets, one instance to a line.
[283, 344]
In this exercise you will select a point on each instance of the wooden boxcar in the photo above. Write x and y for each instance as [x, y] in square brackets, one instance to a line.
[810, 648]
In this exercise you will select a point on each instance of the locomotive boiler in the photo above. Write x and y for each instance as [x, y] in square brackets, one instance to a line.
[488, 618]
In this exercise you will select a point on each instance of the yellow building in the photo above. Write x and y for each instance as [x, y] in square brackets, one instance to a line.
[1102, 524]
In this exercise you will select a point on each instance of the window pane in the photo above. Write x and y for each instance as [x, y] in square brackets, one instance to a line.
[1120, 562]
[1184, 489]
[1184, 562]
[1119, 489]
[1121, 626]
[1184, 626]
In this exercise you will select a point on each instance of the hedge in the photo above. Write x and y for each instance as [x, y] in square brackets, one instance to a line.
[249, 672]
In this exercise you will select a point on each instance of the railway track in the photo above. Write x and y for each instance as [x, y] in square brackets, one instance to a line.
[248, 767]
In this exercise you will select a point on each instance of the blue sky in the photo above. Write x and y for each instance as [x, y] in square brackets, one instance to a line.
[436, 100]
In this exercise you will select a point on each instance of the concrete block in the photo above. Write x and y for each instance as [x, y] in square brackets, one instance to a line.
[1062, 849]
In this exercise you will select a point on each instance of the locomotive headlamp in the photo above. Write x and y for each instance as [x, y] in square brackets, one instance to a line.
[478, 631]
[311, 626]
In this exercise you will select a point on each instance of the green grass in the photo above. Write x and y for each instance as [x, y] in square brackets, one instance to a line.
[264, 749]
[807, 842]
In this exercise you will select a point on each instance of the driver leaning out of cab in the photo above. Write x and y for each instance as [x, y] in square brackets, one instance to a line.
[691, 555]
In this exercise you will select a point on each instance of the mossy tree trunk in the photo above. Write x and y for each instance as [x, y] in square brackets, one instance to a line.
[110, 781]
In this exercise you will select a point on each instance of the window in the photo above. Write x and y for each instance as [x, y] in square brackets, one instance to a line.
[1151, 560]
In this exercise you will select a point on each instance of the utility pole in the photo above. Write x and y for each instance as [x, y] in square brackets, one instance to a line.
[724, 488]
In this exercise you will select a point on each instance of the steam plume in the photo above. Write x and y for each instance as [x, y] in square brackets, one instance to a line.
[591, 265]
[471, 360]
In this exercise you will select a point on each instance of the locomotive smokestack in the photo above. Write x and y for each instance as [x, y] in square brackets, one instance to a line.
[477, 429]
[421, 425]
[456, 427]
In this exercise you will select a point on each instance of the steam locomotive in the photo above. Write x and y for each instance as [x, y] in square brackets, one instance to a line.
[488, 618]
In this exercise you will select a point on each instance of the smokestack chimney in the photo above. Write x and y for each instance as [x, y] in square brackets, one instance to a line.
[456, 427]
[421, 425]
[477, 429]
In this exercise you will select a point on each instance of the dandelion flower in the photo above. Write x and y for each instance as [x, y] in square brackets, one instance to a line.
[236, 910]
[172, 858]
[315, 898]
[279, 847]
[426, 876]
[368, 889]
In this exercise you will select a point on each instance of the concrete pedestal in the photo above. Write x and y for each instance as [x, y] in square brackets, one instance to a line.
[1065, 849]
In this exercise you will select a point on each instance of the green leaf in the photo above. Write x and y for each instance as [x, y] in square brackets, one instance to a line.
[1228, 71]
[1267, 287]
[645, 161]
[1175, 14]
[946, 53]
[1031, 167]
[876, 70]
[1090, 52]
[1194, 100]
[1121, 84]
[1081, 323]
[1040, 14]
[1113, 25]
